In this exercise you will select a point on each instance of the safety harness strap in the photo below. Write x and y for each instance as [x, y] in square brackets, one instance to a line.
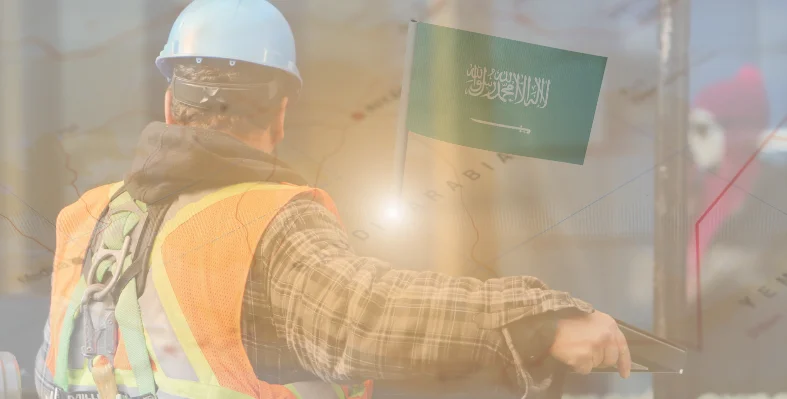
[140, 266]
[129, 318]
[61, 368]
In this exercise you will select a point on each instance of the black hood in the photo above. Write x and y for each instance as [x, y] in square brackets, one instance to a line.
[170, 159]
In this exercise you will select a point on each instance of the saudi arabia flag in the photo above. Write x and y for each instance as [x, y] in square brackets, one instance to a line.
[499, 94]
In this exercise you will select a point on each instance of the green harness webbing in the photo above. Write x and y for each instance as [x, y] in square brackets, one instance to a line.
[129, 318]
[61, 362]
[127, 311]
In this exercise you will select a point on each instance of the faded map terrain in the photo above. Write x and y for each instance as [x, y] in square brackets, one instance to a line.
[79, 83]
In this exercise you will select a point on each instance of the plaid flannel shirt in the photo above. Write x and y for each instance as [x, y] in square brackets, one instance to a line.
[313, 307]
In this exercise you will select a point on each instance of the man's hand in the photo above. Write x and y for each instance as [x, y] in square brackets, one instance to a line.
[590, 341]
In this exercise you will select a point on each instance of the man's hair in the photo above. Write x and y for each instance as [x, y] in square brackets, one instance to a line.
[242, 124]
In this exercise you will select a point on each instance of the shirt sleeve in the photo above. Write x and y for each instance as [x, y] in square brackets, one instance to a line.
[350, 317]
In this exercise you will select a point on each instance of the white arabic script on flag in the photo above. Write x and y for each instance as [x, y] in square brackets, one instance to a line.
[507, 87]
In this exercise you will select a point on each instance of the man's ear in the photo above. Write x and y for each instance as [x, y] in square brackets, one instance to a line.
[168, 106]
[277, 131]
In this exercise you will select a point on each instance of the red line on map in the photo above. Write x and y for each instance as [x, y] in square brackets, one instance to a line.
[68, 166]
[755, 331]
[473, 257]
[74, 128]
[67, 155]
[18, 230]
[76, 176]
[712, 205]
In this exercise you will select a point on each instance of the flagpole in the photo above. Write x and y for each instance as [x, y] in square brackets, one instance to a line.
[400, 149]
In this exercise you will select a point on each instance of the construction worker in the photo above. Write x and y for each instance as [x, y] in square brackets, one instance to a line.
[214, 270]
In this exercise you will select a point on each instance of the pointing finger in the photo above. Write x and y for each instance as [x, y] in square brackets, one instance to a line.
[611, 352]
[624, 358]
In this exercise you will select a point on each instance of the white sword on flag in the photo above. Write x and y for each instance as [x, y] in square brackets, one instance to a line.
[520, 128]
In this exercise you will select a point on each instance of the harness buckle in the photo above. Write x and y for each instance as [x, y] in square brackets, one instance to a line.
[119, 257]
[89, 347]
[104, 339]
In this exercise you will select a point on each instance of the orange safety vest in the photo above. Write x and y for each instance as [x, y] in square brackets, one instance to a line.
[181, 338]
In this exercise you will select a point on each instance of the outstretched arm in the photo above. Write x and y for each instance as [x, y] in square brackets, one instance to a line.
[348, 317]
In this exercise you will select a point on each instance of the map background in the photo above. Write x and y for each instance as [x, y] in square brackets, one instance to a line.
[78, 84]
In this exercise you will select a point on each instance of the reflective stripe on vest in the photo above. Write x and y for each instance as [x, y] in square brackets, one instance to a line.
[75, 225]
[191, 306]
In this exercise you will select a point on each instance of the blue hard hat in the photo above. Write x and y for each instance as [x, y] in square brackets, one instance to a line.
[252, 31]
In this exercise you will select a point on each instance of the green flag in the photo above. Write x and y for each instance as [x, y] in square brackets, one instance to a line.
[502, 95]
